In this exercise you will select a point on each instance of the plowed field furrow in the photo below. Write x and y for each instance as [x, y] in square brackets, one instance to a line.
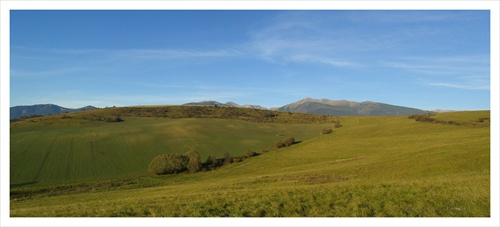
[92, 152]
[13, 165]
[70, 159]
[47, 153]
[108, 150]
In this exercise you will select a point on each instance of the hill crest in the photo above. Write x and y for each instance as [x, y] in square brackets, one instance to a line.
[42, 110]
[348, 108]
[227, 104]
[307, 105]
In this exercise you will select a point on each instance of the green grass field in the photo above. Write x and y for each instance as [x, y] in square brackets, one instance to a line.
[371, 166]
[100, 150]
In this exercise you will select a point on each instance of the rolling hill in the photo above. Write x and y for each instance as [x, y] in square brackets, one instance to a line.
[348, 108]
[329, 107]
[42, 110]
[307, 105]
[86, 145]
[372, 166]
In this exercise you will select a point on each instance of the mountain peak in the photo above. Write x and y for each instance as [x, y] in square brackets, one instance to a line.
[228, 104]
[232, 104]
[42, 109]
[348, 108]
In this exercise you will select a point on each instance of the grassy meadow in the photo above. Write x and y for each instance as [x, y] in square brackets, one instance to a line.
[59, 149]
[369, 167]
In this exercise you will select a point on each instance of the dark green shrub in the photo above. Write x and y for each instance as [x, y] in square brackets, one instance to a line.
[337, 124]
[251, 154]
[113, 119]
[289, 141]
[326, 131]
[483, 119]
[168, 164]
[237, 159]
[194, 161]
[279, 144]
[228, 159]
[211, 162]
[422, 117]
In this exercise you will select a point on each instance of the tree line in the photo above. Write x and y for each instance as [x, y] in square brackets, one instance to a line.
[235, 113]
[190, 161]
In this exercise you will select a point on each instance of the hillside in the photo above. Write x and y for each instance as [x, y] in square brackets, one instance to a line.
[120, 142]
[42, 110]
[369, 167]
[307, 105]
[348, 108]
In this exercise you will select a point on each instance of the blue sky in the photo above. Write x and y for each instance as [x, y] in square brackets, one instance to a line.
[423, 59]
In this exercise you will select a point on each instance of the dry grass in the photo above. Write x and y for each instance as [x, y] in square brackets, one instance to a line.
[370, 167]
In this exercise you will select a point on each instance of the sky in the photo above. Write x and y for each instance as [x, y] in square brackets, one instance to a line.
[423, 59]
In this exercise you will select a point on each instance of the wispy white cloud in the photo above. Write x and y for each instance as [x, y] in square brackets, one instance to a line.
[467, 82]
[160, 85]
[466, 86]
[159, 53]
[319, 37]
[322, 60]
[174, 54]
[299, 37]
[47, 73]
[56, 50]
[409, 16]
[197, 85]
[77, 51]
[431, 68]
[469, 72]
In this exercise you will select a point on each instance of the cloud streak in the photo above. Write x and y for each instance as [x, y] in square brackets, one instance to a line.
[466, 86]
[143, 53]
[297, 37]
[174, 54]
[470, 72]
[47, 73]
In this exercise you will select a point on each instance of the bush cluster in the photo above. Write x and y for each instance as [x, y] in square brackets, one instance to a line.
[213, 162]
[104, 117]
[168, 164]
[194, 161]
[113, 119]
[422, 117]
[428, 118]
[288, 142]
[190, 161]
[337, 124]
[326, 131]
[246, 114]
[175, 163]
[483, 119]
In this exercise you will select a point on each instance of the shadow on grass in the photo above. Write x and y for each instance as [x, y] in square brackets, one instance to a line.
[22, 184]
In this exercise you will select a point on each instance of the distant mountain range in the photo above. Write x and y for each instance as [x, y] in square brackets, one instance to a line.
[228, 104]
[348, 108]
[330, 107]
[42, 109]
[307, 105]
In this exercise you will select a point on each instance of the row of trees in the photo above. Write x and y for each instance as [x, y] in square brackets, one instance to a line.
[190, 161]
[246, 114]
[428, 118]
[288, 142]
[175, 163]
